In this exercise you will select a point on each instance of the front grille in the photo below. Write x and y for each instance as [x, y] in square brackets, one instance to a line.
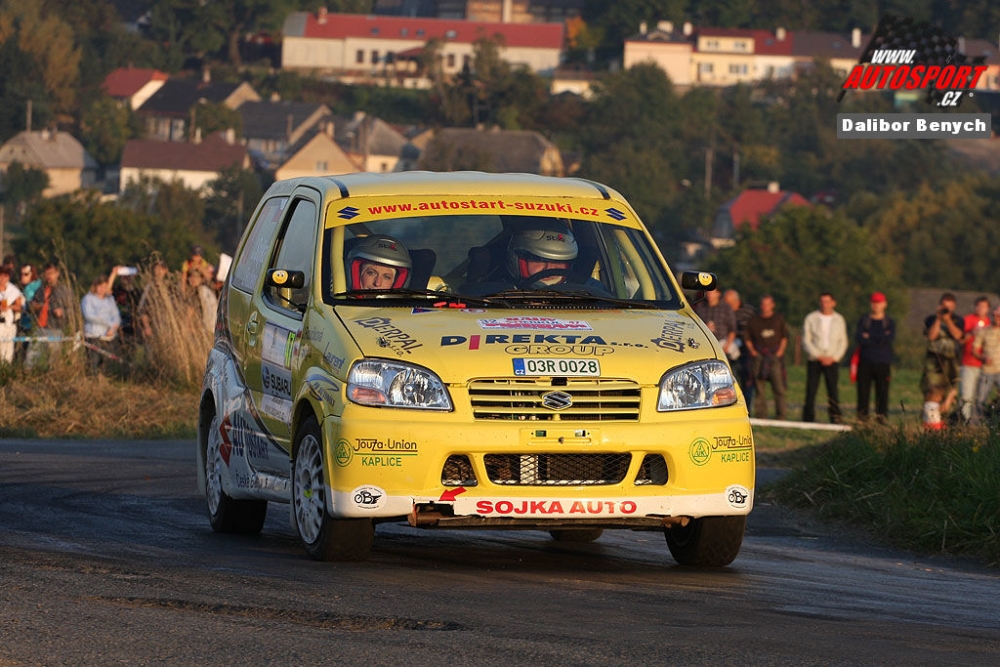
[593, 399]
[556, 469]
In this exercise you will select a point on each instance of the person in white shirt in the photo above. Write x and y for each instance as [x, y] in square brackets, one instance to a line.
[824, 339]
[11, 303]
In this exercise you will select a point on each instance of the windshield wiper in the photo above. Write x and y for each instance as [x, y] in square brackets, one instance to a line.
[549, 296]
[442, 299]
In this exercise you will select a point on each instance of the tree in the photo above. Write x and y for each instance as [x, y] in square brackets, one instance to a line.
[232, 198]
[937, 235]
[23, 184]
[800, 253]
[105, 127]
[211, 118]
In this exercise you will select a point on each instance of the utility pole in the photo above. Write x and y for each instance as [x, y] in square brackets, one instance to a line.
[709, 159]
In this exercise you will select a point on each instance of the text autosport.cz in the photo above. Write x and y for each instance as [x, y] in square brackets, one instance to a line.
[896, 77]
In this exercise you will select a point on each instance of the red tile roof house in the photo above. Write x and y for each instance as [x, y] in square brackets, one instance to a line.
[194, 164]
[133, 85]
[747, 208]
[388, 49]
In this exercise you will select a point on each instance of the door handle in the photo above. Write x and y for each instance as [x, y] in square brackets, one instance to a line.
[252, 324]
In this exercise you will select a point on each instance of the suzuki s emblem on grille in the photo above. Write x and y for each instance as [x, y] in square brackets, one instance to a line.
[557, 400]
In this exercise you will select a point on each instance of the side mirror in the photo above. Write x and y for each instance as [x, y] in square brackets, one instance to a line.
[699, 281]
[285, 279]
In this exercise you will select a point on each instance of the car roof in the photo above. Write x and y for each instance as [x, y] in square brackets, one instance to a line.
[366, 184]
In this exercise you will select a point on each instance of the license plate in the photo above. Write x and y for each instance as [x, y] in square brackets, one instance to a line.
[572, 367]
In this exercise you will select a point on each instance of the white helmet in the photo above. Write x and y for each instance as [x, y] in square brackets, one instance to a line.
[383, 250]
[543, 242]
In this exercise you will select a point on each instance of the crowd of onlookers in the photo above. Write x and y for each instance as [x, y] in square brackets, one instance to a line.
[121, 310]
[961, 364]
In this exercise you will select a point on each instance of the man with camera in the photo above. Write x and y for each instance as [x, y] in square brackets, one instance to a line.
[939, 382]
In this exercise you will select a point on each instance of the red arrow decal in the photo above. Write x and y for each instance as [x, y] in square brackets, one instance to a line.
[450, 494]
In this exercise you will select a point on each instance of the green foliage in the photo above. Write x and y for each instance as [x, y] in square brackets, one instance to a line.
[233, 197]
[935, 492]
[23, 184]
[937, 235]
[105, 127]
[211, 118]
[802, 252]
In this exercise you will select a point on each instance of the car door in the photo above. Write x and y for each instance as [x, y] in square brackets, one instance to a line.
[274, 321]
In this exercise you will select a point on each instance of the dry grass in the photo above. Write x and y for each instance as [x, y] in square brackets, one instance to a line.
[67, 402]
[154, 394]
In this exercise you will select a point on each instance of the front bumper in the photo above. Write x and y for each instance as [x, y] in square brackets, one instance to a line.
[390, 463]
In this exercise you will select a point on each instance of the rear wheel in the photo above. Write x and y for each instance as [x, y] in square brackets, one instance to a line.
[226, 514]
[324, 537]
[576, 534]
[711, 541]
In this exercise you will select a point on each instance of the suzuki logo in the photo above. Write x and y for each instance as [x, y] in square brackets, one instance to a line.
[557, 400]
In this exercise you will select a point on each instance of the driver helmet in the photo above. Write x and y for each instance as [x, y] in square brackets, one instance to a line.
[379, 249]
[544, 242]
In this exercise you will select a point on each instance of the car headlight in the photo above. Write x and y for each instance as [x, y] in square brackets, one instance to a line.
[705, 384]
[381, 383]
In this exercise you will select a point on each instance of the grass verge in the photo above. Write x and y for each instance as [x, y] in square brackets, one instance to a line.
[64, 402]
[931, 492]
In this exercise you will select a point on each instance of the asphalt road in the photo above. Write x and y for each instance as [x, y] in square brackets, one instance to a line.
[106, 556]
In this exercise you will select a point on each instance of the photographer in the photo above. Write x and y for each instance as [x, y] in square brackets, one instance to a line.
[939, 382]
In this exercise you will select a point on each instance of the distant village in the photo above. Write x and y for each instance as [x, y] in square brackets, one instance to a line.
[287, 138]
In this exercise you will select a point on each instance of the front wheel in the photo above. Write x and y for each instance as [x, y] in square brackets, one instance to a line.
[711, 541]
[226, 514]
[324, 537]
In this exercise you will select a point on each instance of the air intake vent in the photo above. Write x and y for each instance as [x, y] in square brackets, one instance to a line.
[458, 471]
[557, 469]
[652, 471]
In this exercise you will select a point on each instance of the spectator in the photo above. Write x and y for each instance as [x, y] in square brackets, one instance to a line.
[939, 382]
[159, 295]
[11, 304]
[50, 307]
[874, 336]
[767, 338]
[743, 313]
[29, 283]
[196, 262]
[986, 346]
[201, 302]
[101, 320]
[968, 374]
[720, 320]
[126, 295]
[824, 340]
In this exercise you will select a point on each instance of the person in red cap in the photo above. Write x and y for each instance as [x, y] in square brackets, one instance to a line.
[874, 336]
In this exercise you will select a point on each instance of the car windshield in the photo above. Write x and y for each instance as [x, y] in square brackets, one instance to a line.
[494, 260]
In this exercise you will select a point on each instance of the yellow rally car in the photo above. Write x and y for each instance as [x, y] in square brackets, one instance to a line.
[472, 351]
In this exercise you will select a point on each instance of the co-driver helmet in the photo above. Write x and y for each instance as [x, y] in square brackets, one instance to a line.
[545, 242]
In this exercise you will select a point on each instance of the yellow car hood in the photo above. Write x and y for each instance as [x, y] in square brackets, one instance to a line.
[459, 344]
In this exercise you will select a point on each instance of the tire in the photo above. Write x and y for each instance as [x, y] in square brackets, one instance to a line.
[711, 541]
[227, 515]
[578, 535]
[324, 537]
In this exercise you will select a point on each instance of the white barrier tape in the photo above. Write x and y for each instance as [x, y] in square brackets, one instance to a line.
[38, 339]
[804, 426]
